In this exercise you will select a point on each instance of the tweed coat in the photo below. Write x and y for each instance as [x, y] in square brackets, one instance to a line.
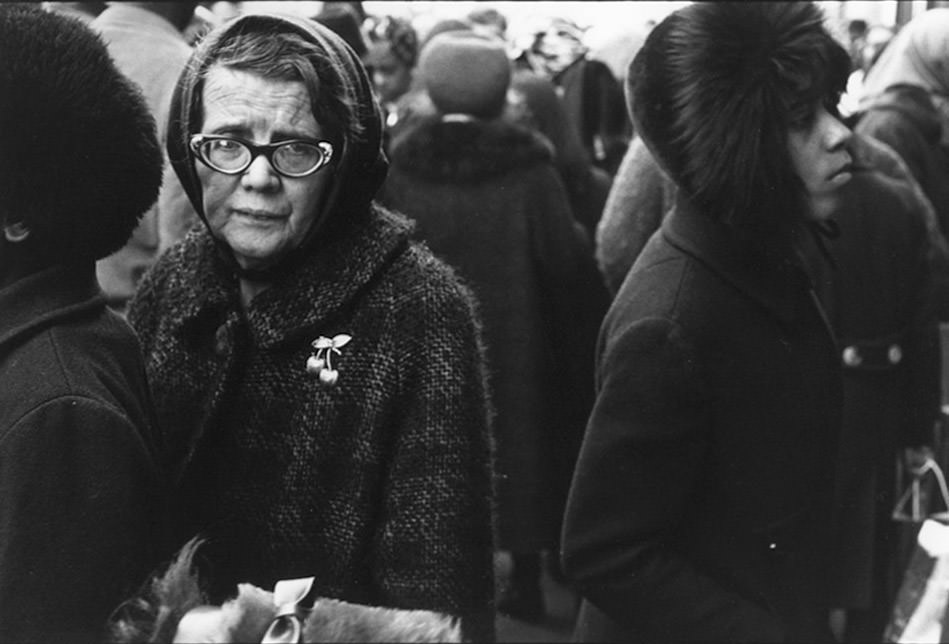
[378, 485]
[80, 491]
[488, 200]
[700, 503]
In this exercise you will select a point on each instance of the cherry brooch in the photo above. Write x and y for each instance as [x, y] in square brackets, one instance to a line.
[321, 362]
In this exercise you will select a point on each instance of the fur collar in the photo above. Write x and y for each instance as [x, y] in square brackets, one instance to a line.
[472, 150]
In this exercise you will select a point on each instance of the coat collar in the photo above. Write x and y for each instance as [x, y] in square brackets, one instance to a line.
[319, 289]
[774, 282]
[42, 299]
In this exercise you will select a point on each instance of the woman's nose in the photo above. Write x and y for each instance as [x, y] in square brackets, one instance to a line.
[837, 134]
[260, 175]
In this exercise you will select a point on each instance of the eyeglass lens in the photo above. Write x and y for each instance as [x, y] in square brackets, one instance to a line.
[292, 158]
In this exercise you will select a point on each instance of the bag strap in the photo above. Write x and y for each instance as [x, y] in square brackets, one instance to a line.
[913, 494]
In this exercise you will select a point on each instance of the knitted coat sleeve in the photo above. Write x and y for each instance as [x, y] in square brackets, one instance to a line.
[436, 534]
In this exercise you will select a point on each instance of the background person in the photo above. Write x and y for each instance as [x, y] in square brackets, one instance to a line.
[318, 377]
[146, 41]
[718, 385]
[80, 489]
[488, 200]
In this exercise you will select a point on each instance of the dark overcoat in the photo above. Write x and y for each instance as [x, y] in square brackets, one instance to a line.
[488, 200]
[878, 298]
[700, 505]
[80, 492]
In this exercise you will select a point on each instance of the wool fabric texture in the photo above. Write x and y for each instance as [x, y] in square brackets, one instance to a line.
[80, 160]
[465, 73]
[380, 486]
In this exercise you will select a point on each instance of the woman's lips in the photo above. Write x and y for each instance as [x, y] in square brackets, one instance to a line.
[258, 215]
[842, 176]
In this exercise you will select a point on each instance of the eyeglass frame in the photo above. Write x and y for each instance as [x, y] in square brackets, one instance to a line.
[266, 149]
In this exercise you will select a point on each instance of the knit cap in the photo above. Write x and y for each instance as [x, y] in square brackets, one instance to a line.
[465, 73]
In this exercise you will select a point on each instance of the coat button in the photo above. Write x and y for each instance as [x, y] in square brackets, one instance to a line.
[895, 354]
[220, 340]
[852, 357]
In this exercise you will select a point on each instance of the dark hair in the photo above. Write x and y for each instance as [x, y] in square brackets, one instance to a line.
[715, 90]
[79, 156]
[289, 56]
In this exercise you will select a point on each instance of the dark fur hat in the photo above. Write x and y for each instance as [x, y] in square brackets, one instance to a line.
[79, 157]
[714, 91]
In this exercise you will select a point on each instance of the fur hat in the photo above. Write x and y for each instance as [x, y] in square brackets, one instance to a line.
[79, 157]
[465, 73]
[714, 91]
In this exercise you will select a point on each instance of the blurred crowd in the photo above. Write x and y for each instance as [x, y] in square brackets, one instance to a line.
[485, 265]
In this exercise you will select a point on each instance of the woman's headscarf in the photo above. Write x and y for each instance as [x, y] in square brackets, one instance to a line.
[918, 55]
[362, 164]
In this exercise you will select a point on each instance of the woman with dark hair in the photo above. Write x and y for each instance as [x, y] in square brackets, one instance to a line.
[80, 506]
[318, 376]
[701, 501]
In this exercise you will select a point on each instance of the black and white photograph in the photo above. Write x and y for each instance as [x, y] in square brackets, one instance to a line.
[474, 321]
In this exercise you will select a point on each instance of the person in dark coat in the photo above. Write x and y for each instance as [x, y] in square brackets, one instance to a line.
[318, 377]
[80, 489]
[592, 97]
[488, 199]
[878, 296]
[533, 102]
[905, 104]
[701, 504]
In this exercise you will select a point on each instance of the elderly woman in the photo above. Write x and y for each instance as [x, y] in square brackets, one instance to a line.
[317, 375]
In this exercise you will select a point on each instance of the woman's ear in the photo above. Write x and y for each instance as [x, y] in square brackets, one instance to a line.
[16, 232]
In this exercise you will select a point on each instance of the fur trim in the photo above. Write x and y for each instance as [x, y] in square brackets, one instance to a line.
[714, 90]
[466, 151]
[79, 159]
[155, 616]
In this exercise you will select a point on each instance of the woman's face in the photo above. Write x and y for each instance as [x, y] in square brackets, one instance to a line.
[821, 159]
[261, 214]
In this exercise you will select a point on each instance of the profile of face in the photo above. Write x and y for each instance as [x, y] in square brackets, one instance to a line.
[821, 159]
[261, 213]
[390, 78]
